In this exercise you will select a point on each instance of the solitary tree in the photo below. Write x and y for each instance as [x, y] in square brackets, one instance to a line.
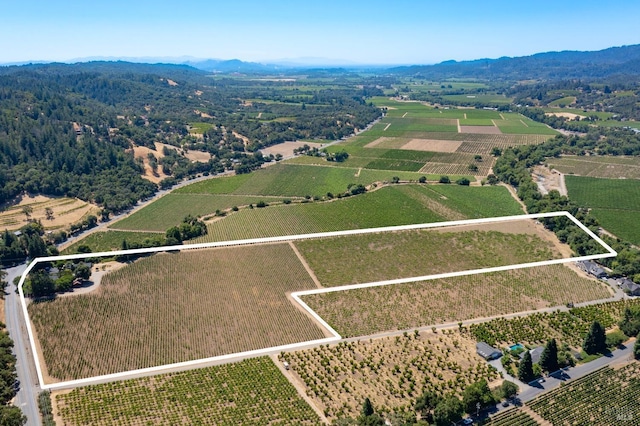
[596, 340]
[508, 389]
[549, 357]
[368, 417]
[525, 369]
[367, 407]
[48, 213]
[27, 210]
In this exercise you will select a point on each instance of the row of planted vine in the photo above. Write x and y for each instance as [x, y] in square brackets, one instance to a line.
[252, 391]
[170, 308]
[567, 326]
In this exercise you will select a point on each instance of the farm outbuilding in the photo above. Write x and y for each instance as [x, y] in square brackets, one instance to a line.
[487, 352]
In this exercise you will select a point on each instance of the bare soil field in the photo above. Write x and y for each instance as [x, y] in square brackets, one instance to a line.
[432, 145]
[200, 113]
[481, 130]
[169, 308]
[65, 212]
[286, 148]
[549, 180]
[389, 143]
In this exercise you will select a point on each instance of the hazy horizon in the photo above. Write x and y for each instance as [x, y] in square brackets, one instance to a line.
[358, 33]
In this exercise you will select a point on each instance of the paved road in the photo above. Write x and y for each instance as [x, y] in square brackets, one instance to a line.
[27, 397]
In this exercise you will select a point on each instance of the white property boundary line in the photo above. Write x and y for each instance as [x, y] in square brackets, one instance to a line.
[296, 295]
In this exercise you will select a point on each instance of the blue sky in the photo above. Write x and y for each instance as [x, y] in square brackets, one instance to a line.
[365, 32]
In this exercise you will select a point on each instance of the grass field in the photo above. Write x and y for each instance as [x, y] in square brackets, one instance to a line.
[111, 240]
[602, 167]
[388, 206]
[199, 127]
[252, 391]
[404, 306]
[614, 202]
[374, 257]
[171, 209]
[170, 308]
[391, 371]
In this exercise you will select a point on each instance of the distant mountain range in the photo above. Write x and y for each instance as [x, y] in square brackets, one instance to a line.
[624, 60]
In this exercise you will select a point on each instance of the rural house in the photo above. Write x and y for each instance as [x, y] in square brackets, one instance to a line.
[629, 286]
[535, 354]
[487, 352]
[592, 268]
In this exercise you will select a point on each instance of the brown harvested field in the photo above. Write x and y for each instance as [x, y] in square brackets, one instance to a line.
[376, 257]
[286, 148]
[391, 371]
[197, 156]
[432, 145]
[388, 143]
[396, 307]
[170, 308]
[569, 115]
[65, 212]
[481, 130]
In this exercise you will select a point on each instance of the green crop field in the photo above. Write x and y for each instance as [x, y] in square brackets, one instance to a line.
[365, 258]
[112, 240]
[602, 167]
[171, 209]
[252, 391]
[199, 127]
[615, 203]
[479, 99]
[388, 206]
[294, 180]
[405, 306]
[606, 397]
[567, 100]
[624, 224]
[476, 122]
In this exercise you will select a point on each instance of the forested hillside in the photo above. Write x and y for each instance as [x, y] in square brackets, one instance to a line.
[69, 129]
